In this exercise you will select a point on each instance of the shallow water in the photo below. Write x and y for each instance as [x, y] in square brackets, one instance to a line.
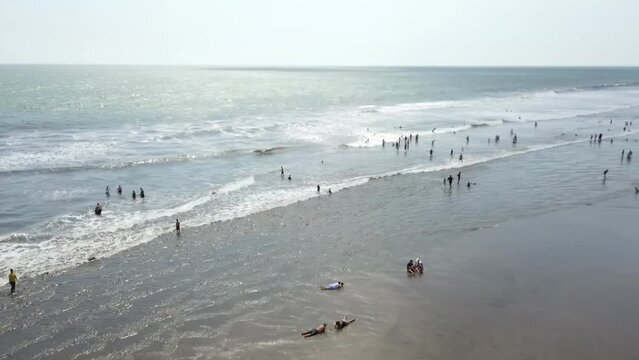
[246, 288]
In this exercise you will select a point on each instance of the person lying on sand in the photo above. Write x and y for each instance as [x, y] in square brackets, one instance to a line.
[340, 324]
[333, 286]
[318, 330]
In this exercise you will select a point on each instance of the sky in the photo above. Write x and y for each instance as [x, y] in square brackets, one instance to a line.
[321, 33]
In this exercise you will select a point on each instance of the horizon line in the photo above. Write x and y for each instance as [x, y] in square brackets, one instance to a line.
[280, 66]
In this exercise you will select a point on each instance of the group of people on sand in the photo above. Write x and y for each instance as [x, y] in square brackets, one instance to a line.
[337, 325]
[98, 208]
[415, 267]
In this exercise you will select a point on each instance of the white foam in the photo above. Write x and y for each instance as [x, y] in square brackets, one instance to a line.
[236, 185]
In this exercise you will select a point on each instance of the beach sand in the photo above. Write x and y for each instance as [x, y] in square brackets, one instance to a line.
[559, 285]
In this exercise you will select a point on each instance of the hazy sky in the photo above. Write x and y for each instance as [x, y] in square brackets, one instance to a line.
[327, 32]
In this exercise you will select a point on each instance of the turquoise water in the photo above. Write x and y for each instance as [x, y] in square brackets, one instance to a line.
[207, 144]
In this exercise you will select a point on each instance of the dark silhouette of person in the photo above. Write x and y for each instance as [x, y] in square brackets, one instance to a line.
[177, 225]
[458, 177]
[318, 188]
[120, 189]
[141, 193]
[133, 195]
[450, 180]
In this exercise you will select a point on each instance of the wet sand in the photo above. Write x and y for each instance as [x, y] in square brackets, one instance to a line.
[561, 285]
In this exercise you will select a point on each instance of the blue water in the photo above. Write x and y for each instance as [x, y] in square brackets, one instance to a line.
[206, 144]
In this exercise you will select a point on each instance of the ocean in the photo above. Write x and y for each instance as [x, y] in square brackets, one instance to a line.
[540, 247]
[207, 144]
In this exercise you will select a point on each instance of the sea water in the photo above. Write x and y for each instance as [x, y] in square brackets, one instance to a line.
[207, 144]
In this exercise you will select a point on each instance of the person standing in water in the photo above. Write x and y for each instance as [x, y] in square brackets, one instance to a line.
[119, 189]
[458, 177]
[177, 226]
[450, 180]
[107, 191]
[13, 279]
[141, 193]
[282, 171]
[318, 188]
[98, 209]
[289, 177]
[133, 194]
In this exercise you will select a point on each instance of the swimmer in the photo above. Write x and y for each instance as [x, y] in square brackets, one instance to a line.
[289, 177]
[333, 286]
[605, 173]
[98, 209]
[451, 152]
[107, 191]
[120, 189]
[141, 193]
[535, 124]
[636, 190]
[318, 330]
[329, 191]
[461, 157]
[340, 324]
[468, 185]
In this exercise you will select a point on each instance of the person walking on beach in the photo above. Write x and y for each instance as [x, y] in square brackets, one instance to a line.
[13, 279]
[340, 324]
[177, 226]
[450, 180]
[318, 330]
[458, 177]
[141, 193]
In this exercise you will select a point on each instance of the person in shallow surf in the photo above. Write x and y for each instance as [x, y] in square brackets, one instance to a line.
[133, 195]
[333, 286]
[141, 193]
[120, 189]
[340, 324]
[318, 330]
[98, 209]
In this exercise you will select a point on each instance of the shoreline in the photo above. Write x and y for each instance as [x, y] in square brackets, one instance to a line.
[246, 288]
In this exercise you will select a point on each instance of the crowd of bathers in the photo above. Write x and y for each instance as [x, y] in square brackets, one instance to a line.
[98, 208]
